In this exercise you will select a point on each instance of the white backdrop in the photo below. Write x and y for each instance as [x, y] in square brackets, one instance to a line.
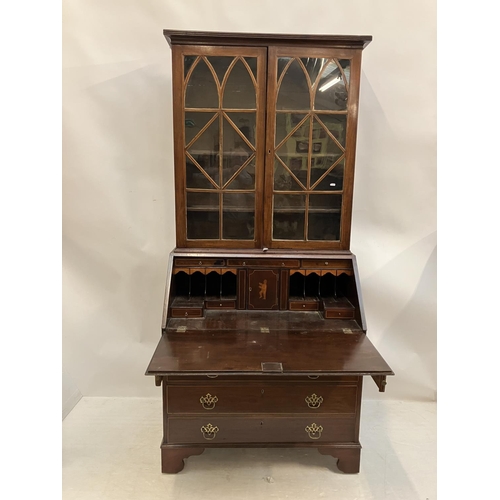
[118, 198]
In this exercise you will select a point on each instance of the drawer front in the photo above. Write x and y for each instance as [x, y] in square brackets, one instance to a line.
[264, 262]
[199, 262]
[266, 429]
[300, 305]
[333, 263]
[220, 304]
[302, 398]
[335, 313]
[187, 312]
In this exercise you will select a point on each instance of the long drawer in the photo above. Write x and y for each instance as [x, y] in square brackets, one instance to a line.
[264, 262]
[265, 429]
[262, 398]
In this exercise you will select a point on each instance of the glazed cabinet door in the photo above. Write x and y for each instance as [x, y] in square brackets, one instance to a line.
[219, 142]
[312, 100]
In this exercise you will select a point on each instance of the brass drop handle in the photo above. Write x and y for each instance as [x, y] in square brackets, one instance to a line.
[314, 401]
[208, 401]
[250, 289]
[314, 431]
[209, 431]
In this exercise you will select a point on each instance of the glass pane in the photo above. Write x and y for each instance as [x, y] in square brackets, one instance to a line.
[331, 94]
[220, 65]
[245, 122]
[239, 92]
[202, 216]
[286, 122]
[324, 226]
[331, 203]
[288, 217]
[194, 122]
[294, 152]
[188, 62]
[325, 152]
[336, 124]
[235, 151]
[333, 181]
[346, 66]
[195, 178]
[205, 150]
[282, 62]
[252, 62]
[283, 181]
[238, 216]
[245, 180]
[294, 89]
[201, 90]
[324, 217]
[313, 66]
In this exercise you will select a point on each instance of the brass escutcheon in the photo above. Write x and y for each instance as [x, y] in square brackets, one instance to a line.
[314, 401]
[209, 431]
[208, 401]
[314, 431]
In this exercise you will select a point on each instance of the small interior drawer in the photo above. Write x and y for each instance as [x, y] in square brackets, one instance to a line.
[186, 312]
[303, 305]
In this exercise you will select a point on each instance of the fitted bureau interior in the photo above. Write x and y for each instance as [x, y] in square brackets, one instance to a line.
[324, 291]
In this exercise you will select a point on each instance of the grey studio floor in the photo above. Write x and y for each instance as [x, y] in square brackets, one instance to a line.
[111, 451]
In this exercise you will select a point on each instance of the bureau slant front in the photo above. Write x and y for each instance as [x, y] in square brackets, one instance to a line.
[263, 337]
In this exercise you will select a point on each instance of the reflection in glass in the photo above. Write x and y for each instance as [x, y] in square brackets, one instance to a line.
[313, 66]
[331, 94]
[325, 152]
[245, 180]
[325, 203]
[195, 177]
[336, 124]
[283, 180]
[239, 92]
[235, 151]
[201, 90]
[205, 150]
[245, 123]
[238, 216]
[220, 65]
[288, 217]
[282, 63]
[346, 66]
[294, 89]
[324, 226]
[286, 122]
[252, 62]
[194, 122]
[333, 181]
[188, 62]
[324, 217]
[202, 215]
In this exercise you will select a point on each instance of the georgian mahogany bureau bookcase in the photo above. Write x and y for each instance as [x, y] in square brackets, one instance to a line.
[263, 335]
